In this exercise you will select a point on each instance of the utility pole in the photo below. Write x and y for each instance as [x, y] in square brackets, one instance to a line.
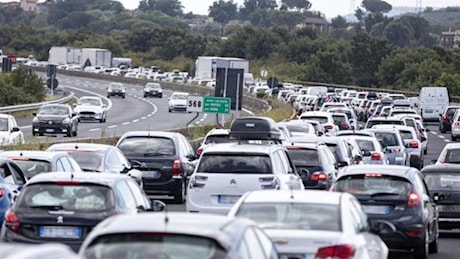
[418, 7]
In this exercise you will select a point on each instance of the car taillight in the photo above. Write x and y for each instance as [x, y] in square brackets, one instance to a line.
[446, 117]
[177, 167]
[318, 176]
[269, 183]
[328, 127]
[414, 200]
[376, 156]
[414, 144]
[11, 221]
[2, 192]
[345, 126]
[337, 251]
[457, 123]
[199, 151]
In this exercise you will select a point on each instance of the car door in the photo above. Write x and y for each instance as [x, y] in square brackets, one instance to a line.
[429, 204]
[289, 168]
[14, 136]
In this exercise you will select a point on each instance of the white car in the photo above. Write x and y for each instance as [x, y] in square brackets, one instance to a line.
[215, 136]
[91, 108]
[314, 224]
[372, 151]
[10, 134]
[324, 118]
[449, 154]
[178, 101]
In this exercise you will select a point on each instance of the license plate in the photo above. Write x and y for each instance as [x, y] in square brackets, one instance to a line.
[429, 111]
[376, 209]
[60, 232]
[449, 208]
[87, 116]
[49, 130]
[225, 199]
[151, 174]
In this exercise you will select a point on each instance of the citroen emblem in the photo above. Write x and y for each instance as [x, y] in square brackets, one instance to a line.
[232, 181]
[60, 220]
[50, 122]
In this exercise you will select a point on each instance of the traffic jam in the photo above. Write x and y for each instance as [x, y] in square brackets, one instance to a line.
[344, 177]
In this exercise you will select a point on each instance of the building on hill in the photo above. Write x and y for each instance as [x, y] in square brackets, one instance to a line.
[450, 39]
[317, 23]
[11, 4]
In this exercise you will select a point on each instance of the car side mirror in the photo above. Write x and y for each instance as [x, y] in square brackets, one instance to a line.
[381, 227]
[15, 129]
[158, 205]
[434, 161]
[358, 157]
[73, 114]
[427, 130]
[104, 105]
[192, 157]
[34, 114]
[423, 139]
[74, 104]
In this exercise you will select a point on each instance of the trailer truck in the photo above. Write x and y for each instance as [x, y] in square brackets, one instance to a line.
[205, 66]
[96, 57]
[64, 55]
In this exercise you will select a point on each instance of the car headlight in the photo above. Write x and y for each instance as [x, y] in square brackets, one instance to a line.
[123, 90]
[66, 121]
[35, 120]
[109, 90]
[76, 110]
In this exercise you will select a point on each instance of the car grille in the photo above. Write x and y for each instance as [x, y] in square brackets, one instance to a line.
[87, 113]
[45, 123]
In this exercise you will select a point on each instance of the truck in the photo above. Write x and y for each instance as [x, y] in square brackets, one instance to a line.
[205, 66]
[122, 62]
[64, 55]
[92, 57]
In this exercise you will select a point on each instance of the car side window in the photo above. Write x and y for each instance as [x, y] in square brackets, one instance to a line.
[59, 166]
[121, 157]
[17, 174]
[188, 147]
[360, 214]
[125, 198]
[66, 164]
[266, 243]
[420, 185]
[278, 167]
[113, 163]
[354, 217]
[285, 161]
[253, 244]
[243, 250]
[138, 196]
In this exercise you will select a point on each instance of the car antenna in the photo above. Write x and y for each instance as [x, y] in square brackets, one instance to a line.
[166, 216]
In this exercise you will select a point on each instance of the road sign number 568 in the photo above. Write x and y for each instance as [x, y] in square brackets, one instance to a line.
[194, 104]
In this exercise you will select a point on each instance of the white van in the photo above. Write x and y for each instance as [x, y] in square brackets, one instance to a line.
[316, 91]
[432, 102]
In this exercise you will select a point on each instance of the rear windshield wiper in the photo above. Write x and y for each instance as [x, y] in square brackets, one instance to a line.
[383, 194]
[48, 207]
[89, 170]
[155, 154]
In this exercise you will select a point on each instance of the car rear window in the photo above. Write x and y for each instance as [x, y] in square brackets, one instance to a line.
[436, 182]
[303, 216]
[53, 196]
[373, 184]
[33, 167]
[147, 146]
[406, 134]
[372, 123]
[452, 156]
[451, 111]
[366, 145]
[320, 119]
[298, 129]
[339, 119]
[387, 139]
[154, 246]
[304, 157]
[235, 163]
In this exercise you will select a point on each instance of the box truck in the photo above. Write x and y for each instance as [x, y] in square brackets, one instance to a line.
[64, 55]
[122, 62]
[96, 57]
[205, 66]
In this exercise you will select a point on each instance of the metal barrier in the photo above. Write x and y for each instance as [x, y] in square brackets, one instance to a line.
[10, 109]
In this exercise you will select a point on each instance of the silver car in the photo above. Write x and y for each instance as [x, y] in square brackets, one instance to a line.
[393, 145]
[372, 151]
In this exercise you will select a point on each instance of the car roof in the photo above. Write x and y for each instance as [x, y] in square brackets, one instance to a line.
[315, 113]
[441, 168]
[106, 179]
[149, 134]
[357, 132]
[361, 137]
[218, 131]
[295, 196]
[79, 146]
[393, 170]
[302, 145]
[206, 225]
[5, 115]
[452, 146]
[381, 118]
[399, 127]
[36, 155]
[240, 148]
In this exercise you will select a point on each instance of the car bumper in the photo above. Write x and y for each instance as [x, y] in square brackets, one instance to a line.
[455, 131]
[116, 94]
[54, 129]
[446, 125]
[179, 108]
[153, 94]
[191, 206]
[170, 187]
[90, 116]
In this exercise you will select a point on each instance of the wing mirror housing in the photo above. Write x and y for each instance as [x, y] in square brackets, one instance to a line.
[158, 206]
[434, 161]
[15, 129]
[34, 113]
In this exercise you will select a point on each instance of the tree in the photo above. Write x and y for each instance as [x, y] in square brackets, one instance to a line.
[376, 6]
[450, 81]
[223, 11]
[299, 5]
[172, 8]
[339, 22]
[251, 6]
[399, 33]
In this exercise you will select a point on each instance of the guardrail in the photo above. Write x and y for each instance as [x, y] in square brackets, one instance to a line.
[10, 109]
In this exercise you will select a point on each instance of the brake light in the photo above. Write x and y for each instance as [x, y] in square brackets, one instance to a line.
[67, 183]
[318, 176]
[177, 167]
[345, 126]
[414, 233]
[2, 192]
[11, 221]
[337, 251]
[414, 144]
[446, 117]
[376, 156]
[328, 127]
[373, 175]
[457, 123]
[414, 200]
[199, 151]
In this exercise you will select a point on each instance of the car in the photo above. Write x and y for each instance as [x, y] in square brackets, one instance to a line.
[445, 119]
[314, 224]
[341, 120]
[450, 154]
[226, 171]
[91, 108]
[152, 89]
[65, 206]
[324, 118]
[116, 89]
[99, 158]
[372, 151]
[215, 136]
[33, 163]
[455, 127]
[422, 135]
[352, 118]
[10, 134]
[391, 141]
[397, 194]
[166, 161]
[298, 128]
[177, 235]
[43, 251]
[55, 119]
[177, 101]
[315, 163]
[355, 133]
[383, 121]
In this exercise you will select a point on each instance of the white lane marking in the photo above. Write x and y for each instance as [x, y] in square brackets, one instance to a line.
[442, 137]
[126, 123]
[447, 140]
[112, 126]
[434, 132]
[135, 120]
[143, 118]
[94, 129]
[109, 102]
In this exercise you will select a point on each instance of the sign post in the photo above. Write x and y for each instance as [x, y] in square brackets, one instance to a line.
[209, 105]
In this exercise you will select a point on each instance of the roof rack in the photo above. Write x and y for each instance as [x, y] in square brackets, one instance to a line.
[255, 128]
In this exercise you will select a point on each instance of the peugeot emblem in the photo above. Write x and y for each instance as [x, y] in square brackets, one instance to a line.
[232, 181]
[60, 220]
[50, 122]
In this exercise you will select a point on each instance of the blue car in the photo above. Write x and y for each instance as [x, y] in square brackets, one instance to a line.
[12, 179]
[5, 198]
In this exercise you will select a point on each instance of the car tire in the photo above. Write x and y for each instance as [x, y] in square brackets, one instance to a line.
[161, 96]
[179, 198]
[108, 96]
[123, 96]
[69, 132]
[434, 245]
[442, 130]
[145, 95]
[75, 133]
[421, 250]
[425, 151]
[169, 110]
[453, 138]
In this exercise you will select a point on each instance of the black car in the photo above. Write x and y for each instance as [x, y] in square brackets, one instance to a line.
[397, 194]
[55, 119]
[443, 181]
[446, 119]
[64, 207]
[152, 89]
[99, 158]
[166, 160]
[116, 89]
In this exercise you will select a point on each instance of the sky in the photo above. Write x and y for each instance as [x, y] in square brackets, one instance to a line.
[331, 8]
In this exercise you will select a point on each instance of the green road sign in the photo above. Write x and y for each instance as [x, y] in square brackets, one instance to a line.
[216, 105]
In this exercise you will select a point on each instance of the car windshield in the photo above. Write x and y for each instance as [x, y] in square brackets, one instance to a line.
[320, 119]
[89, 102]
[147, 146]
[366, 145]
[452, 156]
[387, 139]
[373, 184]
[152, 245]
[4, 124]
[54, 110]
[304, 216]
[153, 86]
[116, 86]
[235, 163]
[89, 160]
[33, 167]
[81, 198]
[218, 139]
[179, 97]
[304, 157]
[437, 182]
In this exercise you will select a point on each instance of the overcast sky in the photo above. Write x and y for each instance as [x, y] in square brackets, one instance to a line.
[331, 8]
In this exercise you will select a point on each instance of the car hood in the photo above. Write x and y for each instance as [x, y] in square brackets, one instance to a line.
[89, 108]
[178, 101]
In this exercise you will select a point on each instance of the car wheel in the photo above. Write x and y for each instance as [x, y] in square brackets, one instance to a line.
[161, 96]
[75, 132]
[40, 134]
[421, 251]
[453, 138]
[108, 96]
[180, 196]
[169, 110]
[145, 95]
[69, 132]
[123, 96]
[425, 151]
[433, 246]
[442, 130]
